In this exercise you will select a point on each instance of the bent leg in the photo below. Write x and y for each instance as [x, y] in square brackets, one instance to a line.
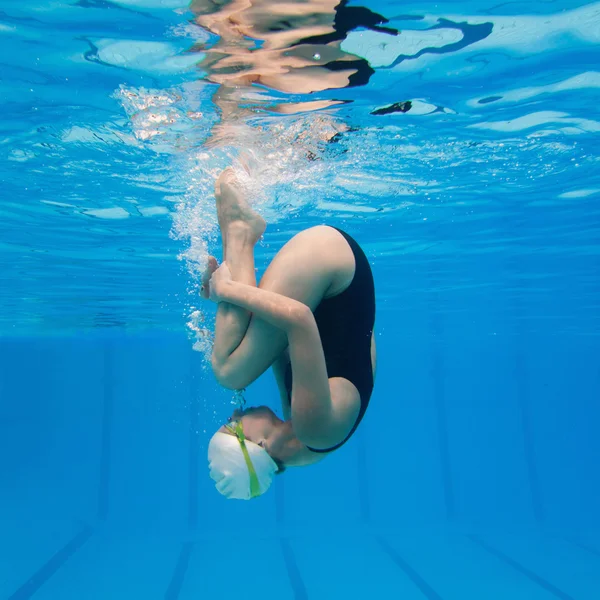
[314, 264]
[241, 228]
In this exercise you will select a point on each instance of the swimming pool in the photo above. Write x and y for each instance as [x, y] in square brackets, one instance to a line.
[461, 151]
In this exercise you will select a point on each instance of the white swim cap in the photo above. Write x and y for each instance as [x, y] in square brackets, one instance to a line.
[229, 470]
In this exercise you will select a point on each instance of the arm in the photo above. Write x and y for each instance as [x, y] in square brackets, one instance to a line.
[279, 368]
[311, 407]
[281, 311]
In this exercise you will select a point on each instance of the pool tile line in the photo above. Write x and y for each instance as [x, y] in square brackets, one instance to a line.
[528, 438]
[194, 447]
[419, 582]
[520, 568]
[181, 567]
[106, 432]
[280, 502]
[439, 399]
[46, 571]
[289, 559]
[363, 479]
[294, 575]
[582, 545]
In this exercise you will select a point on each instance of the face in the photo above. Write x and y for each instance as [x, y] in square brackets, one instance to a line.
[259, 423]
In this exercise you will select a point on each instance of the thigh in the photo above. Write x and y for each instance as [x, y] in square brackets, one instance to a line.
[311, 266]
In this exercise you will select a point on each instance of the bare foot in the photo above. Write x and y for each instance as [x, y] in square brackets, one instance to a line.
[232, 208]
[248, 162]
[211, 267]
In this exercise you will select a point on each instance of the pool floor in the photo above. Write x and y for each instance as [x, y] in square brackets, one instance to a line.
[105, 562]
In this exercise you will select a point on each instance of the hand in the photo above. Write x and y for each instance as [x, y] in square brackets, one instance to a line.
[211, 266]
[219, 278]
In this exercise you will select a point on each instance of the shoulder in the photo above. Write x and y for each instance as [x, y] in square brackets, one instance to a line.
[345, 408]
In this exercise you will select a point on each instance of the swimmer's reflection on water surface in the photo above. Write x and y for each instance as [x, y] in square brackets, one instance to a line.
[292, 47]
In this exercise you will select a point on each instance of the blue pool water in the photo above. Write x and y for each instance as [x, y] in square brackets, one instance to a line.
[467, 168]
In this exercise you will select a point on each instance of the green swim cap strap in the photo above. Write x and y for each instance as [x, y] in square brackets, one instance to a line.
[238, 431]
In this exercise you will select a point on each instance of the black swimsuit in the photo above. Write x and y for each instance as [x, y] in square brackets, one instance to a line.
[345, 324]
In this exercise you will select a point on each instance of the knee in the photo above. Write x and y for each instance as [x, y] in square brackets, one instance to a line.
[227, 375]
[221, 372]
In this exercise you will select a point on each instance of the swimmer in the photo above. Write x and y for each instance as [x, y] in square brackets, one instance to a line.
[311, 319]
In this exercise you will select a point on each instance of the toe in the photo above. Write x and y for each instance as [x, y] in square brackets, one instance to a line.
[227, 176]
